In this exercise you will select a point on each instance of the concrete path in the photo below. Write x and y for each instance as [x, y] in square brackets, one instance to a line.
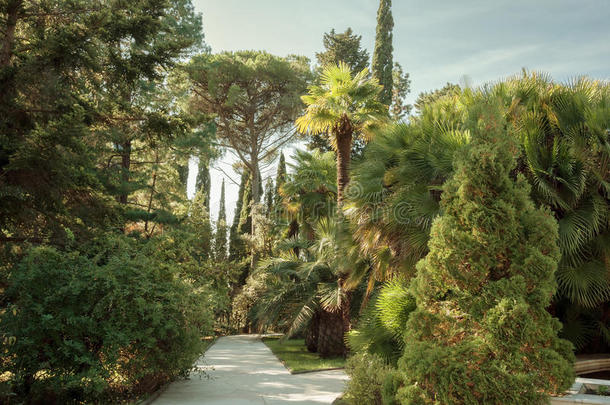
[245, 372]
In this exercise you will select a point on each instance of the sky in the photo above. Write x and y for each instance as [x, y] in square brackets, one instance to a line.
[469, 42]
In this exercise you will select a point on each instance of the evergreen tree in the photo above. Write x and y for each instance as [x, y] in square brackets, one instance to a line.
[269, 197]
[481, 333]
[343, 47]
[245, 216]
[401, 87]
[235, 242]
[382, 57]
[220, 245]
[203, 179]
[199, 220]
[430, 97]
[280, 180]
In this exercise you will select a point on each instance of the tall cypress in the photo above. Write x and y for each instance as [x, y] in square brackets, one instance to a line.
[203, 179]
[269, 197]
[280, 180]
[235, 243]
[382, 57]
[220, 241]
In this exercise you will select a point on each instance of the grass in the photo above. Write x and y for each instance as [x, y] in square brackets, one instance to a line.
[295, 357]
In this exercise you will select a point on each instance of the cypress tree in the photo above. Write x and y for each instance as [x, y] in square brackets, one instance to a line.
[382, 57]
[280, 180]
[481, 333]
[220, 242]
[269, 197]
[245, 217]
[235, 242]
[199, 220]
[203, 179]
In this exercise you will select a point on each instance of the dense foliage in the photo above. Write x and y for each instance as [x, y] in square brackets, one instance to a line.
[481, 332]
[105, 322]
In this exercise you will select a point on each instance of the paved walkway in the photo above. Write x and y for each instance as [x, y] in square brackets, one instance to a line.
[246, 372]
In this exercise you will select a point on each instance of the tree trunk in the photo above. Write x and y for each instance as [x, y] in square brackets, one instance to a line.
[12, 11]
[311, 336]
[330, 334]
[343, 133]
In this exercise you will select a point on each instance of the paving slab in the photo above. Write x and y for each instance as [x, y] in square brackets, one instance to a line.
[241, 370]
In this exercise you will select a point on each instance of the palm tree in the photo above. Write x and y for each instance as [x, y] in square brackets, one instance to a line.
[304, 287]
[342, 106]
[565, 141]
[400, 178]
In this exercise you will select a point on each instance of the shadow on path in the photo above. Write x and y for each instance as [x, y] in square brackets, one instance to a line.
[242, 370]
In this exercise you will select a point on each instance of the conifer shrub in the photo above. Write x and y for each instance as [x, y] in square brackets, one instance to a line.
[481, 333]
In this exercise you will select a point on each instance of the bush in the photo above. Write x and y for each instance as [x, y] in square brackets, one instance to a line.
[481, 333]
[371, 380]
[101, 326]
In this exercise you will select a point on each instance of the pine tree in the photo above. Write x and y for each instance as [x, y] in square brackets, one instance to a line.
[220, 242]
[343, 47]
[481, 333]
[382, 57]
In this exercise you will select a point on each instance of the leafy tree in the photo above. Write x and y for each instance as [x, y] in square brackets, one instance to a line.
[401, 86]
[382, 56]
[489, 274]
[255, 98]
[344, 107]
[220, 246]
[430, 97]
[85, 318]
[78, 82]
[343, 47]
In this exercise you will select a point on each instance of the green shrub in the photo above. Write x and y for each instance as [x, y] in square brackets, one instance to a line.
[481, 333]
[110, 323]
[371, 380]
[382, 324]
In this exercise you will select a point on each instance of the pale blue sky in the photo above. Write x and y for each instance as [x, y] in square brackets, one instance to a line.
[436, 41]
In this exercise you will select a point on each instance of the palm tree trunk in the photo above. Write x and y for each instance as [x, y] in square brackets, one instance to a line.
[330, 334]
[311, 336]
[343, 135]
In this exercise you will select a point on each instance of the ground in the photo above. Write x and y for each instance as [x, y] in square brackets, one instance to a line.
[241, 370]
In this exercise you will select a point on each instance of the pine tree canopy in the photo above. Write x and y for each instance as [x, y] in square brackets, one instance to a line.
[343, 47]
